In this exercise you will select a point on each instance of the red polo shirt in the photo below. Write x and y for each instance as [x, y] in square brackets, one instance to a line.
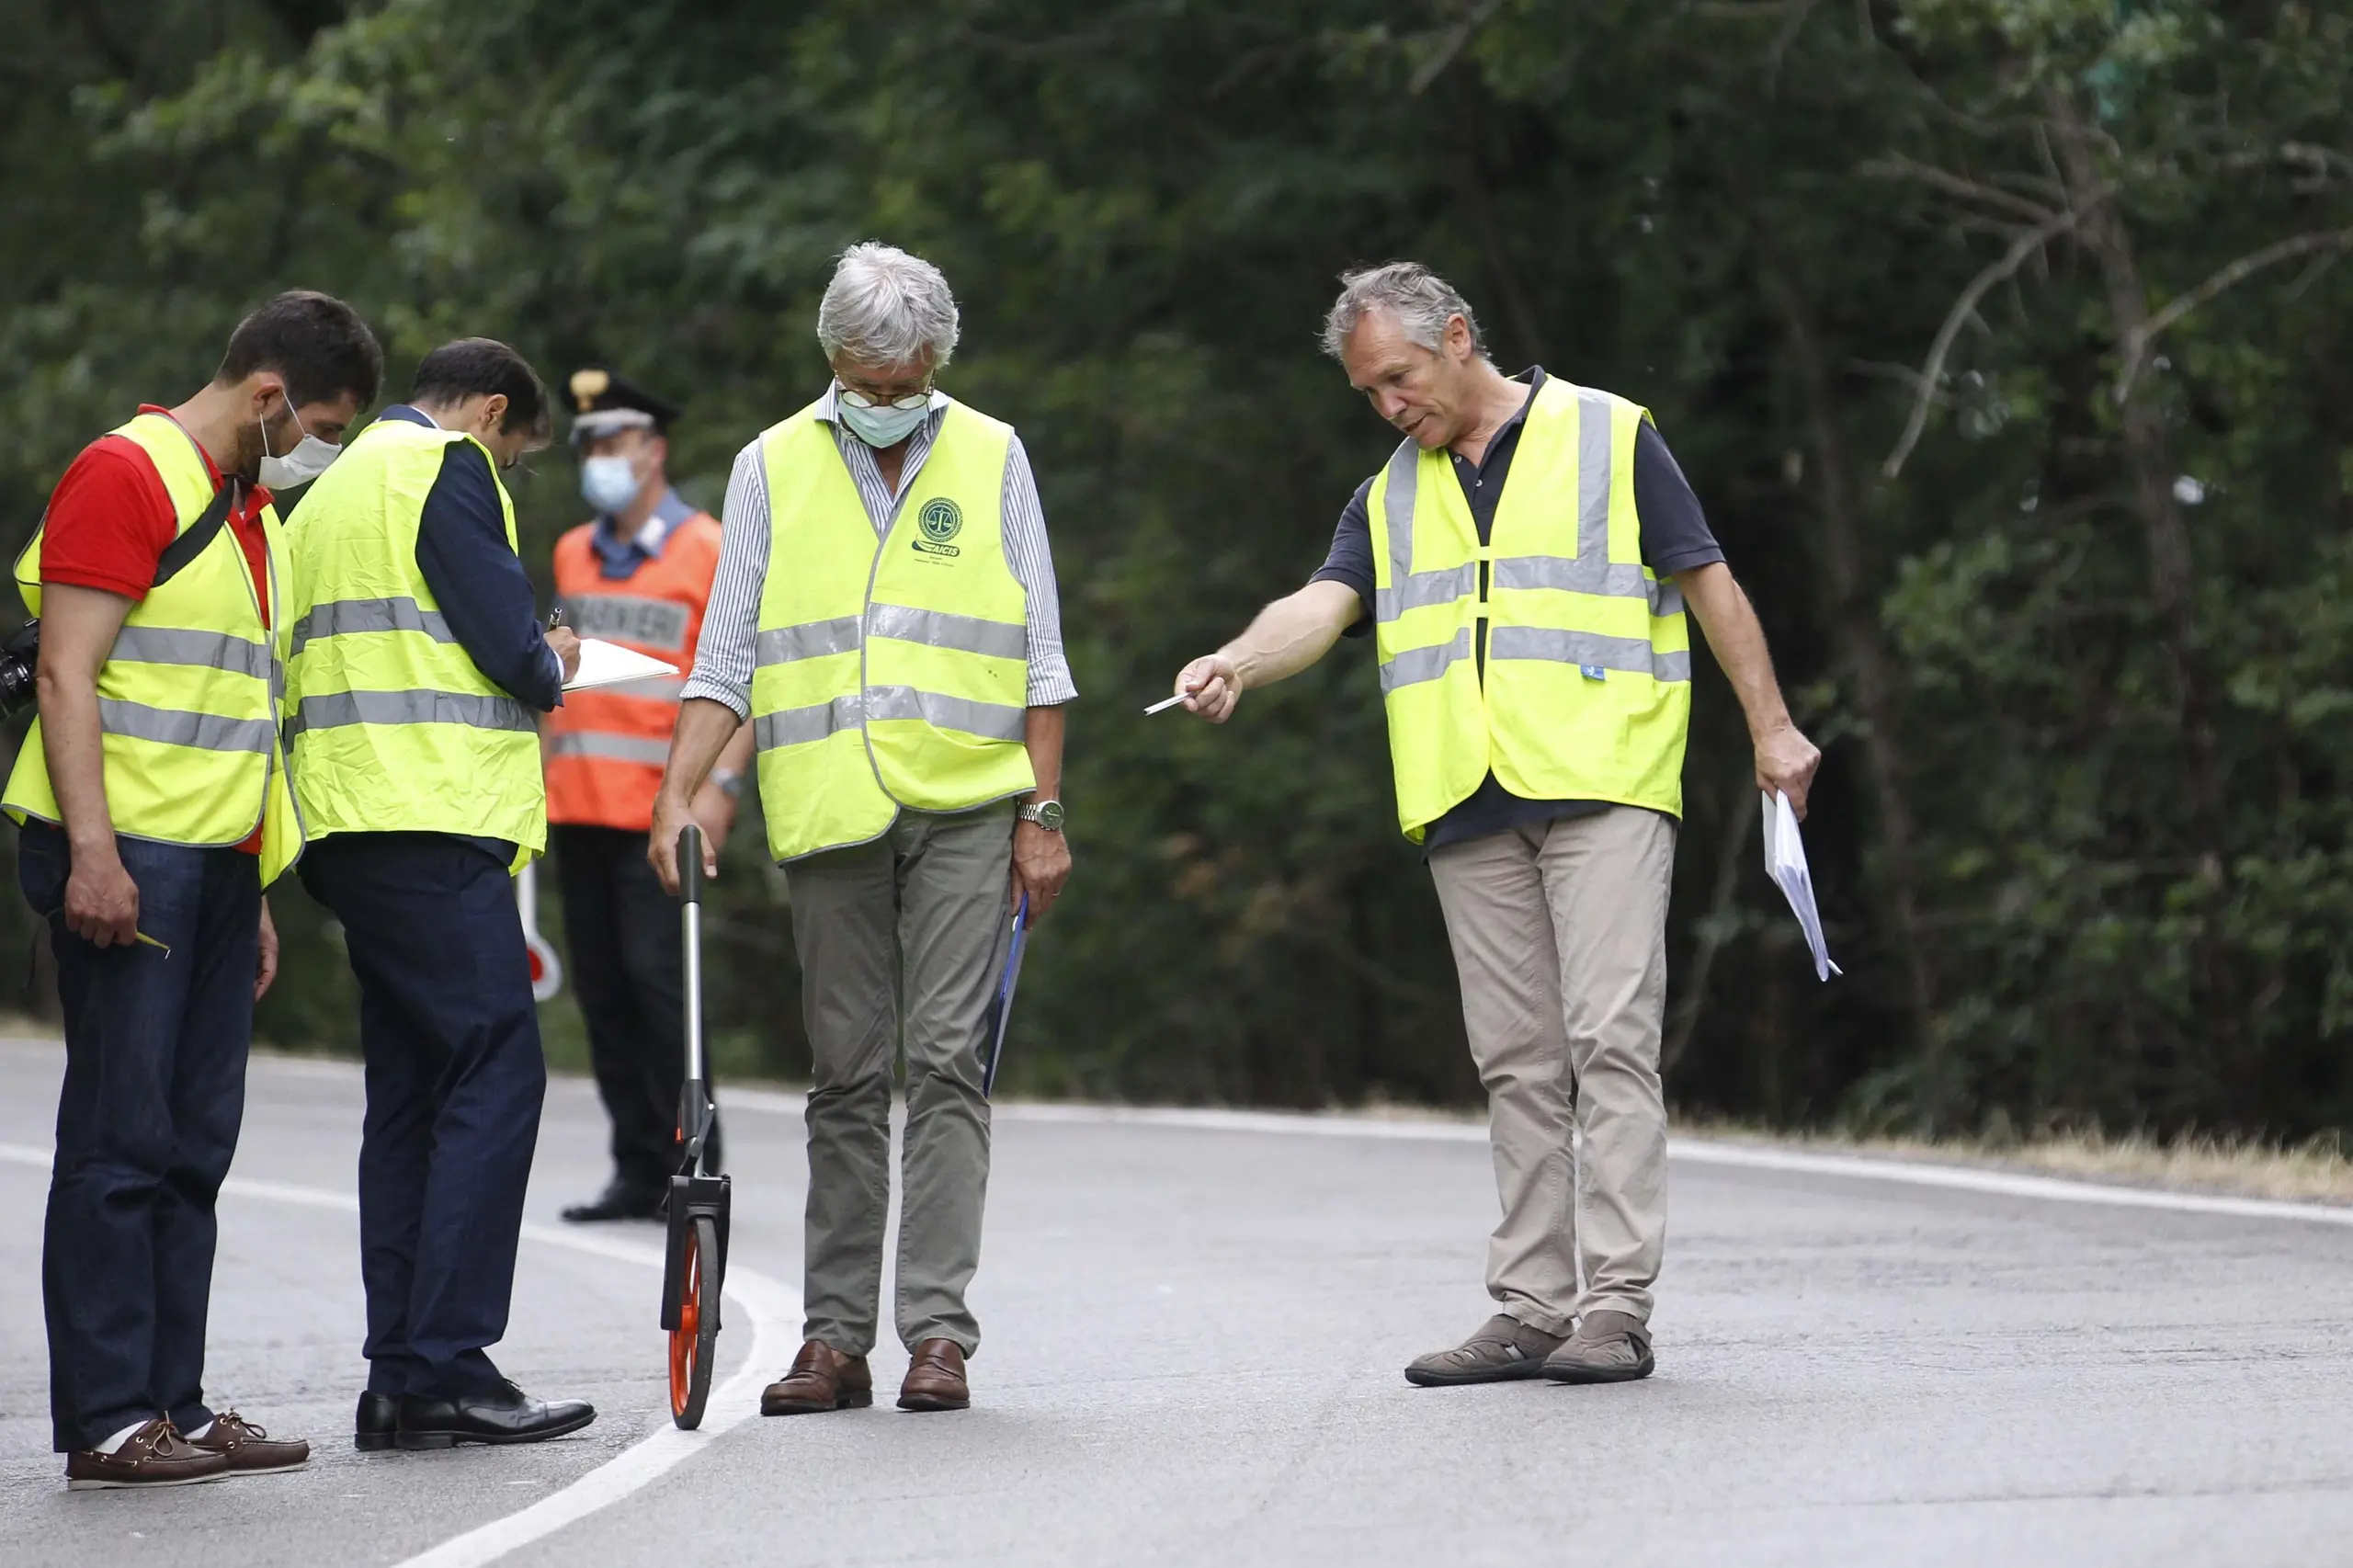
[110, 519]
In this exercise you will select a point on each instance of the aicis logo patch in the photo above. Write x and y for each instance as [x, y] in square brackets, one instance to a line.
[939, 521]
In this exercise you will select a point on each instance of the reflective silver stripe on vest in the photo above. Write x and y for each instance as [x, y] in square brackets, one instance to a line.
[613, 748]
[1631, 654]
[810, 639]
[175, 727]
[1597, 478]
[990, 720]
[207, 650]
[337, 709]
[1409, 589]
[343, 617]
[939, 629]
[798, 726]
[1417, 589]
[1415, 665]
[1594, 475]
[1589, 574]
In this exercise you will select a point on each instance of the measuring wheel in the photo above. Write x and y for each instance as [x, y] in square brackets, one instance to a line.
[694, 1267]
[694, 1344]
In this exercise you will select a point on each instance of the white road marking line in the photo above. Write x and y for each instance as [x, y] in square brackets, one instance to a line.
[774, 1309]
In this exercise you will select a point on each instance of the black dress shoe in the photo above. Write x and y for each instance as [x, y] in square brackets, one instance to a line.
[372, 1427]
[502, 1414]
[619, 1201]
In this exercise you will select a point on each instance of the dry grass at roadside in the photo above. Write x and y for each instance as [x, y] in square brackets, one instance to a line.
[2317, 1171]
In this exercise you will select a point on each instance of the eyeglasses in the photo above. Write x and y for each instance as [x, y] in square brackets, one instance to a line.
[915, 400]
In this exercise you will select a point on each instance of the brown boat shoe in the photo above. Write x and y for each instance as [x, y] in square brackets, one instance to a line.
[251, 1449]
[935, 1378]
[155, 1455]
[1608, 1347]
[822, 1378]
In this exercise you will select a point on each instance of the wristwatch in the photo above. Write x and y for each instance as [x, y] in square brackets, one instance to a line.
[1047, 814]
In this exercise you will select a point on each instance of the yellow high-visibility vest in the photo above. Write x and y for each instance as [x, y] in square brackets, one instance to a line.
[891, 670]
[187, 696]
[1587, 691]
[392, 727]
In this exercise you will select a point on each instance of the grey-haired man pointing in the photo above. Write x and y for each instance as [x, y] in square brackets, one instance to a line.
[1523, 562]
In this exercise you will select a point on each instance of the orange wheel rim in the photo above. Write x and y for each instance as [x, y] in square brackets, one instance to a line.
[682, 1338]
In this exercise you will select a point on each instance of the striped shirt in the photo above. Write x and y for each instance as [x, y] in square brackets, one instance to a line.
[723, 658]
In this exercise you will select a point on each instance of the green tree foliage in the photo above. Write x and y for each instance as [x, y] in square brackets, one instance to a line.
[2007, 341]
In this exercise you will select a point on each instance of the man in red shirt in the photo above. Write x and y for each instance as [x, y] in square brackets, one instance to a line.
[152, 791]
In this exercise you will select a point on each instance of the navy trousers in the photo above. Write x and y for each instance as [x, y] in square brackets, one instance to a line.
[455, 1080]
[155, 1047]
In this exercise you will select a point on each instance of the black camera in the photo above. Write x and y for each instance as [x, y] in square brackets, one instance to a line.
[19, 659]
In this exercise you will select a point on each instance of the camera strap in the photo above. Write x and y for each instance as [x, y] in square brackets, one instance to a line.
[197, 535]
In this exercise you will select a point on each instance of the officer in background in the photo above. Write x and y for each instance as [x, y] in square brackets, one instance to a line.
[418, 670]
[638, 575]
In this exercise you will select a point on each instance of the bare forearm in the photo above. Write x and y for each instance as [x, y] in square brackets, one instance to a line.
[714, 806]
[78, 630]
[1292, 633]
[72, 742]
[1737, 640]
[1042, 735]
[705, 730]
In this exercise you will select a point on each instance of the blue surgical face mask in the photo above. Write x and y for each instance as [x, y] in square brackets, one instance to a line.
[879, 427]
[609, 484]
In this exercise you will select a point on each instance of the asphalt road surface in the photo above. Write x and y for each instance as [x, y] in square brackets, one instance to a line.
[1195, 1327]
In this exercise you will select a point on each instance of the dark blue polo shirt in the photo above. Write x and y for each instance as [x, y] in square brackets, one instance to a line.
[1675, 538]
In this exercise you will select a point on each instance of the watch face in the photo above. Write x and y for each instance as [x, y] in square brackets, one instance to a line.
[1048, 814]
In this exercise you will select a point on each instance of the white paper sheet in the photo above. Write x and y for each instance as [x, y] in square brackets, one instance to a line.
[610, 664]
[1785, 863]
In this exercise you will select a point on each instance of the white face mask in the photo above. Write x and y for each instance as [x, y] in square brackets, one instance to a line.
[608, 483]
[883, 425]
[309, 459]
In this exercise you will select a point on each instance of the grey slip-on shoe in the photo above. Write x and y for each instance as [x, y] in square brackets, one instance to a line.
[1503, 1351]
[1608, 1347]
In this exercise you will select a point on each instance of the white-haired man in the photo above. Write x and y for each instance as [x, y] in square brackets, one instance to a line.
[886, 615]
[1523, 561]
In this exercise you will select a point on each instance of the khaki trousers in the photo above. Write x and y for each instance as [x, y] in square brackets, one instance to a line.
[900, 941]
[1558, 932]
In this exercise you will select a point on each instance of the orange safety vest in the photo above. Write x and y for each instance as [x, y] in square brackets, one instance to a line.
[606, 748]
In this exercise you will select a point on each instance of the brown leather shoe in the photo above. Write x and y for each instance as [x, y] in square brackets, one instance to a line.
[155, 1455]
[251, 1450]
[821, 1378]
[935, 1378]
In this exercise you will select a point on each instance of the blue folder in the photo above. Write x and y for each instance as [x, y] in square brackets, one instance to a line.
[1001, 1007]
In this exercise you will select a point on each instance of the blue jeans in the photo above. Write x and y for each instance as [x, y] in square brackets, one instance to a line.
[155, 1047]
[455, 1079]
